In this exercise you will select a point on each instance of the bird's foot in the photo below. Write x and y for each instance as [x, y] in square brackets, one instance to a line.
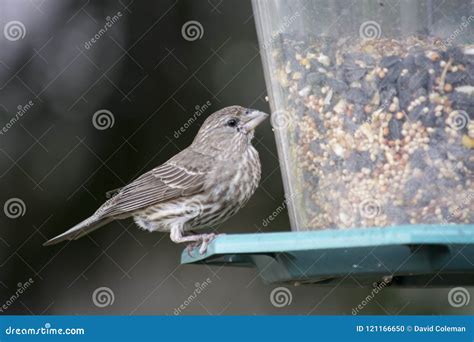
[202, 243]
[207, 238]
[190, 247]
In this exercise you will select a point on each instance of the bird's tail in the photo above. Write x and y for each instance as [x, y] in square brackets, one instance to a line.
[79, 230]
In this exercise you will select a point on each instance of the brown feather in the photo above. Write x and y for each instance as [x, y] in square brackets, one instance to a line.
[171, 180]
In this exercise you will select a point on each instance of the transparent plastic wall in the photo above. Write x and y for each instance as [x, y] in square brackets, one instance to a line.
[372, 105]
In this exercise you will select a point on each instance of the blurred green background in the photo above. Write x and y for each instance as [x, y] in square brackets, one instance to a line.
[151, 79]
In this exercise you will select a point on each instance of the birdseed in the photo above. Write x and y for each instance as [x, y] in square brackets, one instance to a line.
[379, 131]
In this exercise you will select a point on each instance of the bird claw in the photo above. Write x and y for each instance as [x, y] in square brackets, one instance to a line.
[203, 243]
[190, 247]
[206, 239]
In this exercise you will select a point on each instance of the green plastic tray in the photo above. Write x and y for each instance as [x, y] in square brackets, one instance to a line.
[411, 255]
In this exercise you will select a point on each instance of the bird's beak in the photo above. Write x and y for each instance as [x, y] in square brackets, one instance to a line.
[254, 118]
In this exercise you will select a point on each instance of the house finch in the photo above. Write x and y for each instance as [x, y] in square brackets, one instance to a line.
[201, 186]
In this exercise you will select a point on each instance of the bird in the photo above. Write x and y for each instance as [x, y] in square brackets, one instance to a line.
[199, 187]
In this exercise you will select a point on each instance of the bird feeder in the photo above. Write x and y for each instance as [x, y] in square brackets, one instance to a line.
[372, 107]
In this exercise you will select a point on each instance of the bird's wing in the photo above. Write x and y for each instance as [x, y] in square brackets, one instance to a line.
[166, 182]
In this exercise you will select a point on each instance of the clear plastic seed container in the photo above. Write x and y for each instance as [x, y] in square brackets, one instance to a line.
[373, 102]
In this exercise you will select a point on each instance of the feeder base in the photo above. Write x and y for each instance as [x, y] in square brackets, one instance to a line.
[410, 255]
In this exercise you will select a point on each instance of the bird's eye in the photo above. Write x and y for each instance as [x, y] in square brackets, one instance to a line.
[232, 122]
